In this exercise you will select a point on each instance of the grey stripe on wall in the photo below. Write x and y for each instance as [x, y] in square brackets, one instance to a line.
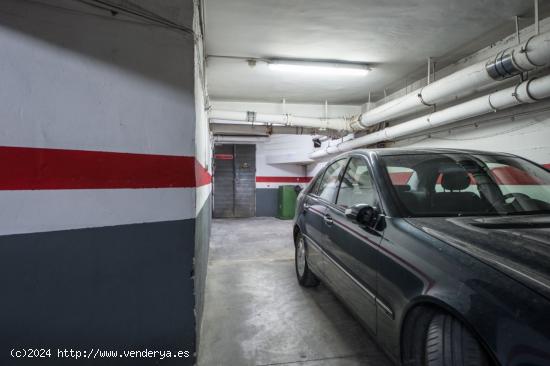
[126, 287]
[266, 202]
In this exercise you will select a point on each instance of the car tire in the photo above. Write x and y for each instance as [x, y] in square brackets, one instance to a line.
[449, 343]
[305, 276]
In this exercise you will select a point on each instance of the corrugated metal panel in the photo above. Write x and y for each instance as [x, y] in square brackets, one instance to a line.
[245, 180]
[235, 181]
[223, 181]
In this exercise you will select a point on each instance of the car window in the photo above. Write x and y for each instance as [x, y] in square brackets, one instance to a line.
[357, 186]
[468, 185]
[328, 185]
[315, 184]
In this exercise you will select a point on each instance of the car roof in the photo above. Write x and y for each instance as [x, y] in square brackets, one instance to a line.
[410, 151]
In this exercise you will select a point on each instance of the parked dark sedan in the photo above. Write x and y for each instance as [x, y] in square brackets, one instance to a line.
[443, 255]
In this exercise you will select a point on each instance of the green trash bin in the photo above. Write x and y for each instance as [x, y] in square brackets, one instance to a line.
[286, 202]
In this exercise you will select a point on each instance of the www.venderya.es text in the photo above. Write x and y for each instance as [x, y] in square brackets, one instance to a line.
[95, 353]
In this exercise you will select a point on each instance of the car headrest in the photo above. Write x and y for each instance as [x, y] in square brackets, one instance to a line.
[455, 179]
[402, 188]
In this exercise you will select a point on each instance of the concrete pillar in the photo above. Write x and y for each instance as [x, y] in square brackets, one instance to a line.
[99, 174]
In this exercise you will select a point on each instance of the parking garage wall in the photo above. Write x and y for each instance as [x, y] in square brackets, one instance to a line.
[203, 155]
[270, 176]
[98, 186]
[524, 131]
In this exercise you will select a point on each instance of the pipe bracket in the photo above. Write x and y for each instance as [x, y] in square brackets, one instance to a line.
[250, 116]
[525, 48]
[419, 95]
[287, 119]
[491, 105]
[522, 93]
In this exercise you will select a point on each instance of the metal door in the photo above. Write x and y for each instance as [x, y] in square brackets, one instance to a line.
[235, 181]
[245, 181]
[224, 179]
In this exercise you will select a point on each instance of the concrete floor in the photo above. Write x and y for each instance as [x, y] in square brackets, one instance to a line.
[256, 314]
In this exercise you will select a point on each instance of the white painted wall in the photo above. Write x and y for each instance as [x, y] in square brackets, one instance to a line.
[524, 135]
[203, 138]
[108, 95]
[75, 77]
[277, 145]
[203, 156]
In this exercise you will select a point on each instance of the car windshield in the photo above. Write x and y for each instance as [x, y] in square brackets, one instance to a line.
[467, 185]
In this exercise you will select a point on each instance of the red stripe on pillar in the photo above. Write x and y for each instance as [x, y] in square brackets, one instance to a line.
[283, 179]
[23, 168]
[202, 175]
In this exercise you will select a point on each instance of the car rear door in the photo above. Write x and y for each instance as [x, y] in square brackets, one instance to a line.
[315, 205]
[353, 249]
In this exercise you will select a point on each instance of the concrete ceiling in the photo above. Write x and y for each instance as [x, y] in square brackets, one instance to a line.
[396, 36]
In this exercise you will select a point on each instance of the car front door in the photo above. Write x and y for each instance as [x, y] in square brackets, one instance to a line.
[315, 205]
[352, 248]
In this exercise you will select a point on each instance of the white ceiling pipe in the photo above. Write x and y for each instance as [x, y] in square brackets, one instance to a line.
[240, 139]
[533, 53]
[526, 92]
[283, 119]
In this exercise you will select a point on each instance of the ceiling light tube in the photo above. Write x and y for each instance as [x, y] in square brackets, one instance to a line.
[319, 67]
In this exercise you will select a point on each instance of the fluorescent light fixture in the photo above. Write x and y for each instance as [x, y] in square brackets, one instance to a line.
[319, 68]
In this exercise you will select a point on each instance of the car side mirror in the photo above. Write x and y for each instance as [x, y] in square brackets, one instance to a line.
[364, 215]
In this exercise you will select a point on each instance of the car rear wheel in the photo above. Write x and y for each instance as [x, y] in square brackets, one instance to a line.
[449, 343]
[306, 278]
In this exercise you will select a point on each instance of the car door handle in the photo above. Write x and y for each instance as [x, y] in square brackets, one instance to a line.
[306, 207]
[328, 220]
